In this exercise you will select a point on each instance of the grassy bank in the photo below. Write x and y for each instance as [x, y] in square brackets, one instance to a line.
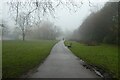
[21, 56]
[104, 56]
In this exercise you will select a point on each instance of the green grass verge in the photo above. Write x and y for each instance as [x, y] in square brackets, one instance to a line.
[20, 56]
[104, 56]
[0, 59]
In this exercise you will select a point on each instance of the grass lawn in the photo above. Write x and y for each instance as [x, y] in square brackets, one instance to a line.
[20, 56]
[0, 59]
[104, 56]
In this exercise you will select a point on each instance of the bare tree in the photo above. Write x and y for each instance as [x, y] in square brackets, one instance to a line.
[22, 23]
[41, 7]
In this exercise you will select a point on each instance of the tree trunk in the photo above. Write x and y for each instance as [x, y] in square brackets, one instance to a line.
[23, 35]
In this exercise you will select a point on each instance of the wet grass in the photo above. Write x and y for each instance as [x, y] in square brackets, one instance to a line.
[104, 56]
[20, 56]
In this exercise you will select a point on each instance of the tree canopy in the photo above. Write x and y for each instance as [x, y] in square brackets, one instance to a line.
[100, 26]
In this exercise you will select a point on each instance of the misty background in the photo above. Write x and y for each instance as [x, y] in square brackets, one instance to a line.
[75, 20]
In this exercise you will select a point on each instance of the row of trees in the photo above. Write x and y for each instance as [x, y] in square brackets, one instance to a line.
[45, 30]
[100, 26]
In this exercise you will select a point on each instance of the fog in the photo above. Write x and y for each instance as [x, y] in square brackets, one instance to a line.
[30, 28]
[65, 16]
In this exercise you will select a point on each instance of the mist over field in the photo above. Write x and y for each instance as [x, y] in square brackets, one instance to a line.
[62, 16]
[44, 34]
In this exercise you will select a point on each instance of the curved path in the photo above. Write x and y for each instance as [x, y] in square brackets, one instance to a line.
[61, 63]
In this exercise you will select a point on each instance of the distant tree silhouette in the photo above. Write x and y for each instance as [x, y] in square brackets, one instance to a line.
[100, 26]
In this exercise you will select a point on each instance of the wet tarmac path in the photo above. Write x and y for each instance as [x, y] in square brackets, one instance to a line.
[62, 63]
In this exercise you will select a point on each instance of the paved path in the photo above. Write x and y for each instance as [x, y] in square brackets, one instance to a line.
[61, 63]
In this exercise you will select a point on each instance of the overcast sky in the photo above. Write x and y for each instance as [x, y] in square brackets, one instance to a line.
[70, 20]
[67, 20]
